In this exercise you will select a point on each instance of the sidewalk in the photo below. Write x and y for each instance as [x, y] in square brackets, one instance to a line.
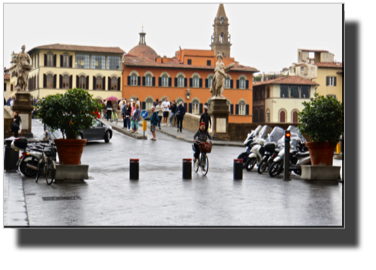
[119, 127]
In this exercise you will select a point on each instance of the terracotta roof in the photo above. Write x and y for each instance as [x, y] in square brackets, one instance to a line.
[64, 47]
[142, 61]
[143, 51]
[7, 77]
[287, 80]
[307, 50]
[328, 64]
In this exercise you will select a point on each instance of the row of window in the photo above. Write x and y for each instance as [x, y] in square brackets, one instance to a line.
[296, 91]
[258, 116]
[331, 81]
[208, 62]
[181, 81]
[84, 61]
[49, 81]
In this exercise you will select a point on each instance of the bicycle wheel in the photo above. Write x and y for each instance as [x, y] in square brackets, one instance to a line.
[196, 165]
[40, 170]
[204, 164]
[50, 171]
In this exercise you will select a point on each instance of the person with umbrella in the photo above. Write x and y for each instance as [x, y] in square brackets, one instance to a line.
[109, 106]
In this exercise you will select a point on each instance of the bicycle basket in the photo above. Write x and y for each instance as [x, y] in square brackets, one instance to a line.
[205, 147]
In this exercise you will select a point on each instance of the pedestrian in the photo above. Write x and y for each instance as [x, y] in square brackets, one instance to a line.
[155, 104]
[138, 102]
[136, 118]
[180, 116]
[123, 114]
[128, 113]
[153, 123]
[166, 110]
[173, 111]
[9, 100]
[109, 109]
[159, 108]
[205, 117]
[16, 124]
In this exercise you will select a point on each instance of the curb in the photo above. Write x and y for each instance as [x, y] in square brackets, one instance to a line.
[121, 130]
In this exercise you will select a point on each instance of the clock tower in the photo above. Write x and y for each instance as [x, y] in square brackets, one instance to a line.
[220, 40]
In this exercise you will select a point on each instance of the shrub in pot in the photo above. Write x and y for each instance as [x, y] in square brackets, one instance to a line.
[322, 124]
[71, 112]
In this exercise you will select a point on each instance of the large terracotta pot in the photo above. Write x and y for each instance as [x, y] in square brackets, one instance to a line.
[321, 153]
[70, 151]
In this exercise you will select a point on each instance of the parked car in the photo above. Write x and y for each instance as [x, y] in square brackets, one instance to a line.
[98, 131]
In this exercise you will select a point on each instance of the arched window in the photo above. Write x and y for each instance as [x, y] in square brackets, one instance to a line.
[227, 83]
[65, 82]
[229, 106]
[261, 118]
[50, 60]
[165, 80]
[82, 83]
[134, 79]
[221, 38]
[267, 116]
[282, 116]
[65, 61]
[267, 92]
[114, 83]
[99, 83]
[195, 81]
[178, 102]
[295, 117]
[210, 81]
[50, 81]
[149, 103]
[180, 81]
[148, 80]
[255, 116]
[242, 108]
[195, 107]
[242, 83]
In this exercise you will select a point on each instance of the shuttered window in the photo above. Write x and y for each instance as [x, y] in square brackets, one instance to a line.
[148, 80]
[82, 83]
[180, 81]
[134, 80]
[149, 103]
[195, 107]
[65, 61]
[50, 81]
[65, 82]
[114, 82]
[282, 116]
[242, 108]
[228, 83]
[242, 83]
[50, 60]
[210, 81]
[165, 80]
[295, 117]
[99, 83]
[195, 81]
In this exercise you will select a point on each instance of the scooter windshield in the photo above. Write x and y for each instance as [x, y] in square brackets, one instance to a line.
[295, 132]
[276, 134]
[263, 134]
[256, 132]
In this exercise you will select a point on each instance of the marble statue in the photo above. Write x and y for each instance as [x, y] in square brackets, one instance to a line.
[220, 75]
[23, 66]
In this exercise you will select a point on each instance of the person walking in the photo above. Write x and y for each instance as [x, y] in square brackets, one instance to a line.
[205, 117]
[166, 110]
[173, 111]
[8, 101]
[180, 116]
[123, 114]
[15, 127]
[159, 109]
[109, 109]
[153, 123]
[11, 102]
[155, 104]
[136, 118]
[128, 112]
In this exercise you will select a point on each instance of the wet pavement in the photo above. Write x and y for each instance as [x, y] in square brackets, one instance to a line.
[162, 198]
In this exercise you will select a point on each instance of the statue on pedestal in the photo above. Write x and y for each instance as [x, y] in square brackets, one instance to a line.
[219, 79]
[23, 66]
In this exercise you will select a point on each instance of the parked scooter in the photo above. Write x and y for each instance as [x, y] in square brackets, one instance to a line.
[270, 149]
[298, 157]
[257, 151]
[249, 143]
[28, 161]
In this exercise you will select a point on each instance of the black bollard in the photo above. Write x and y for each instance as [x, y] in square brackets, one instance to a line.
[187, 168]
[287, 156]
[238, 169]
[10, 157]
[133, 169]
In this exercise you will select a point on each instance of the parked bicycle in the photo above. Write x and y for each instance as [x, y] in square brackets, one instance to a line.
[46, 167]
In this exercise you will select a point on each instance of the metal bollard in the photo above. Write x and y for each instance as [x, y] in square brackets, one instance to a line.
[238, 169]
[133, 169]
[187, 168]
[10, 157]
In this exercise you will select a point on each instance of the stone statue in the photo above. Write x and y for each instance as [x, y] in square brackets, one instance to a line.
[220, 75]
[23, 66]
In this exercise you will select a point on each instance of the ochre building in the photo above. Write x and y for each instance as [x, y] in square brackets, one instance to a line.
[187, 76]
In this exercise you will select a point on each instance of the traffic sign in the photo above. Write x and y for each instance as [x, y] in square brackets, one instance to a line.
[144, 114]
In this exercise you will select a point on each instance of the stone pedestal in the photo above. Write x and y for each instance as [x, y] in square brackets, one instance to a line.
[219, 112]
[22, 104]
[321, 174]
[71, 173]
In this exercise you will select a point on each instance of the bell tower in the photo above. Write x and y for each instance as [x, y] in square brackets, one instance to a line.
[220, 40]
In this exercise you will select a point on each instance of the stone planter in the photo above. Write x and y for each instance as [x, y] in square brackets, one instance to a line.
[321, 153]
[70, 151]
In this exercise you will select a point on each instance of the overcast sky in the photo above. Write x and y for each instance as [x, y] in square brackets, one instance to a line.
[264, 36]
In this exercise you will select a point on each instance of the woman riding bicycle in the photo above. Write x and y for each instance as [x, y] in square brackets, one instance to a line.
[200, 136]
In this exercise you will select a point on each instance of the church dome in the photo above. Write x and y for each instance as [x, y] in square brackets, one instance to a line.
[144, 51]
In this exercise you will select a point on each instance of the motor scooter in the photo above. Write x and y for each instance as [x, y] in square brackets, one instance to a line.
[257, 151]
[298, 157]
[249, 143]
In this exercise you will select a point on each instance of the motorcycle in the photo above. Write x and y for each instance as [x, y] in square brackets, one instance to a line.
[248, 143]
[28, 161]
[270, 149]
[257, 151]
[298, 157]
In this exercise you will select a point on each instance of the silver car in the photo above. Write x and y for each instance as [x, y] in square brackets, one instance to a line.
[98, 131]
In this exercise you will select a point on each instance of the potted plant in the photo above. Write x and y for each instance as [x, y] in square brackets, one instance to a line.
[71, 112]
[322, 123]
